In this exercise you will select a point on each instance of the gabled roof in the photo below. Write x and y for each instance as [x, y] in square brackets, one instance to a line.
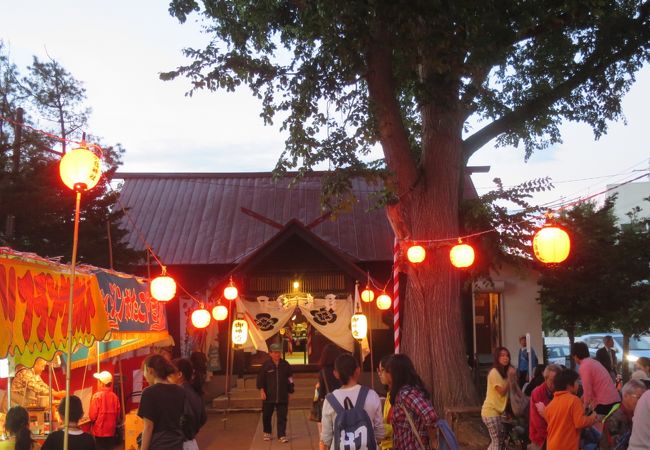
[295, 228]
[209, 218]
[220, 218]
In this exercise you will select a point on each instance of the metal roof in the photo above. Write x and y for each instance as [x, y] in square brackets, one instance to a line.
[197, 218]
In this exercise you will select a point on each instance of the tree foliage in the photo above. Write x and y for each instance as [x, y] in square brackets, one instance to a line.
[431, 82]
[36, 210]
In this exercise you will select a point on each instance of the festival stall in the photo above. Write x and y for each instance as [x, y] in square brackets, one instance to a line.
[34, 298]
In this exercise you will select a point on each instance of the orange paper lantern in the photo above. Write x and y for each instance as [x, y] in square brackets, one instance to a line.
[230, 292]
[201, 318]
[384, 302]
[416, 254]
[461, 255]
[80, 169]
[220, 312]
[163, 288]
[551, 244]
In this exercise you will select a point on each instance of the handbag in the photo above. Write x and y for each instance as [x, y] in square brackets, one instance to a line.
[316, 412]
[414, 429]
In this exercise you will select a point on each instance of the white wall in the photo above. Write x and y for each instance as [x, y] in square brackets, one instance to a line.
[521, 313]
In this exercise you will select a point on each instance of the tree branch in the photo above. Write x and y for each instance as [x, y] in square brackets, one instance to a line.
[382, 94]
[592, 66]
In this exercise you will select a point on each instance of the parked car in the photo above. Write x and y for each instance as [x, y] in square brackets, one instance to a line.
[559, 354]
[638, 346]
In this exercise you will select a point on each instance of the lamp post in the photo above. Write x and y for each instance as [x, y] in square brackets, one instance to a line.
[80, 171]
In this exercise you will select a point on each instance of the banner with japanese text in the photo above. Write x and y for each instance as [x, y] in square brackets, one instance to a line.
[34, 298]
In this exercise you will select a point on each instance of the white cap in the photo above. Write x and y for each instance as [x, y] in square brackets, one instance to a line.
[104, 376]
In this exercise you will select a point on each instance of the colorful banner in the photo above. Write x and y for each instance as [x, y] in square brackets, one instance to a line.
[34, 299]
[129, 305]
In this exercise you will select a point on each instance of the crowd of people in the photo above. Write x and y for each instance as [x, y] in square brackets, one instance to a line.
[563, 409]
[568, 409]
[171, 408]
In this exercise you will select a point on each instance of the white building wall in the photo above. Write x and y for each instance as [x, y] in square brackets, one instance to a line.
[521, 313]
[629, 196]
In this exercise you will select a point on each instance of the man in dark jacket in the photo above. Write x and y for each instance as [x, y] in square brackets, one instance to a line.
[275, 382]
[607, 356]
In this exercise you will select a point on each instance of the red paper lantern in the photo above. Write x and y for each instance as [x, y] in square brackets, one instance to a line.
[230, 292]
[461, 255]
[416, 254]
[367, 295]
[201, 318]
[220, 312]
[384, 301]
[551, 244]
[163, 288]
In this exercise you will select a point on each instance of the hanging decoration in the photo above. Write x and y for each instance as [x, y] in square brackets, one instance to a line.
[201, 318]
[416, 254]
[551, 244]
[163, 287]
[239, 332]
[220, 312]
[359, 326]
[383, 302]
[230, 292]
[461, 255]
[367, 295]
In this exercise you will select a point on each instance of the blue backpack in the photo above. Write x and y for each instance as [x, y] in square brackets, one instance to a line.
[446, 437]
[353, 428]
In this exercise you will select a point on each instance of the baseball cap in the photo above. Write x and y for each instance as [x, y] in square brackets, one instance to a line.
[104, 376]
[275, 348]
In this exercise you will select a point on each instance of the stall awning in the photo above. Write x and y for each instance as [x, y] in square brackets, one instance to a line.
[136, 319]
[34, 298]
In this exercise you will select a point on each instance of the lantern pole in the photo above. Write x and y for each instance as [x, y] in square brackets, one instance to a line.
[227, 387]
[75, 239]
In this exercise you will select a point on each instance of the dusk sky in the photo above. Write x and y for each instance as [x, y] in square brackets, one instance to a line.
[117, 49]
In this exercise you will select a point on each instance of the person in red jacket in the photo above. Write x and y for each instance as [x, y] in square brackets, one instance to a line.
[541, 394]
[104, 412]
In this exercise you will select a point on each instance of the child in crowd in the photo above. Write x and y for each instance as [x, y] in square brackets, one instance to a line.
[565, 415]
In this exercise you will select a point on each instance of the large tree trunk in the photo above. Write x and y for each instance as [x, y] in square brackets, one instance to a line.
[432, 327]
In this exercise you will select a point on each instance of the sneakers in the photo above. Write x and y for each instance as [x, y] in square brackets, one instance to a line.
[283, 439]
[267, 436]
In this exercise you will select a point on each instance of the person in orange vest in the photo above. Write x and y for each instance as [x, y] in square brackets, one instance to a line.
[104, 412]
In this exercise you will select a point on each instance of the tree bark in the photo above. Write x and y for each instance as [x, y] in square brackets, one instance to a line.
[432, 327]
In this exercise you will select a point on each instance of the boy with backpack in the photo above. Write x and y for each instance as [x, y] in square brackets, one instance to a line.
[352, 415]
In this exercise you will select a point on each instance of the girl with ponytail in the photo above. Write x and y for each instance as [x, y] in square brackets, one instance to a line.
[17, 426]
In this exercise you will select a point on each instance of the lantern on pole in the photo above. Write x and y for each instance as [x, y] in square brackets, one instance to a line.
[551, 244]
[239, 332]
[461, 255]
[359, 326]
[80, 171]
[220, 312]
[230, 292]
[416, 254]
[201, 318]
[163, 287]
[383, 302]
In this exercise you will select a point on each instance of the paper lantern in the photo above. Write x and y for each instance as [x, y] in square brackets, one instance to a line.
[461, 255]
[367, 295]
[201, 318]
[80, 169]
[416, 254]
[230, 292]
[384, 302]
[239, 332]
[551, 244]
[359, 326]
[163, 288]
[220, 312]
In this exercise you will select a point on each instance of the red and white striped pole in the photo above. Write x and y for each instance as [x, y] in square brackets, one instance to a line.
[396, 324]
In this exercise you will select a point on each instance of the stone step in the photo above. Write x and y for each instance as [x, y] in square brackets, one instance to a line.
[255, 404]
